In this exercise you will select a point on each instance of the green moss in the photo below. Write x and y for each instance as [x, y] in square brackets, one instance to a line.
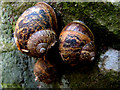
[92, 79]
[105, 14]
[16, 67]
[101, 18]
[6, 29]
[14, 85]
[6, 47]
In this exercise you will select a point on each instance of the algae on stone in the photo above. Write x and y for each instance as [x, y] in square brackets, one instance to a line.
[17, 68]
[101, 17]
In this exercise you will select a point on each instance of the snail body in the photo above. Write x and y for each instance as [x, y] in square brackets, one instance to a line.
[76, 43]
[35, 30]
[44, 71]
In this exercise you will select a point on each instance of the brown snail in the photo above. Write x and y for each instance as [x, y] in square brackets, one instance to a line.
[44, 71]
[35, 30]
[76, 43]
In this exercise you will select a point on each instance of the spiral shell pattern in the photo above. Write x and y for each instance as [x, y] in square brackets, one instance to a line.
[76, 43]
[35, 19]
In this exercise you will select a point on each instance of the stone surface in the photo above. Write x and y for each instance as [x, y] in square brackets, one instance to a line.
[102, 18]
[109, 60]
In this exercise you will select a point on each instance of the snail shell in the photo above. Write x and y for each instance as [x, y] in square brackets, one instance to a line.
[44, 71]
[35, 30]
[76, 43]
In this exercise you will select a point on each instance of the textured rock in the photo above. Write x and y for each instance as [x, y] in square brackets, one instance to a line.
[17, 69]
[102, 18]
[109, 60]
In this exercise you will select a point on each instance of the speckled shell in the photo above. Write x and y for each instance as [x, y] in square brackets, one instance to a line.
[36, 25]
[76, 43]
[44, 71]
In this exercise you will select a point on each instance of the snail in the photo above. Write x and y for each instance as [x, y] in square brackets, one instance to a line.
[76, 43]
[35, 30]
[44, 71]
